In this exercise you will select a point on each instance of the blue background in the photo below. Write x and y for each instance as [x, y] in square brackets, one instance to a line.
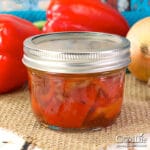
[131, 16]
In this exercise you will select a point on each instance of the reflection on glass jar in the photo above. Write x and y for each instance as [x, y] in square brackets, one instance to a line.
[76, 79]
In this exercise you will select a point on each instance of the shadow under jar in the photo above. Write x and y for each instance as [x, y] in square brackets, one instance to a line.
[76, 79]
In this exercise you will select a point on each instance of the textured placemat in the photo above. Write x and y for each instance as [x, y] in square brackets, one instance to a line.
[16, 115]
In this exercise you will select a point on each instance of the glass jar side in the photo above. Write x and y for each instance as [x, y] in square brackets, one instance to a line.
[76, 101]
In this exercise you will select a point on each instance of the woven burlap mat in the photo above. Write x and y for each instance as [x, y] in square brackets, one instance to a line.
[16, 115]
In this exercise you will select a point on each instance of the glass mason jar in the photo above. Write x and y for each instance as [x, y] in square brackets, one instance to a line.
[76, 79]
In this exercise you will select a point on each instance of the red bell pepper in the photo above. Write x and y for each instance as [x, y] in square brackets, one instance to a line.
[13, 31]
[84, 15]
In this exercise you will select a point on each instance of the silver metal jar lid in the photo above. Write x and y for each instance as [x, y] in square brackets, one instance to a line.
[76, 52]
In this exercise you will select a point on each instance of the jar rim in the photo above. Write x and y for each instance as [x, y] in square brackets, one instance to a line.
[76, 52]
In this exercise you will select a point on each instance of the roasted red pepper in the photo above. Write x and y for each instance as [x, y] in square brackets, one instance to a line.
[13, 31]
[76, 101]
[84, 15]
